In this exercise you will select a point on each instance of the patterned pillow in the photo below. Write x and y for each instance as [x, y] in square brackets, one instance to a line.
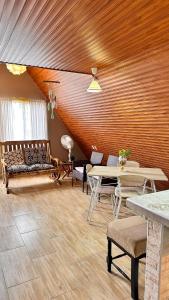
[13, 158]
[31, 156]
[43, 157]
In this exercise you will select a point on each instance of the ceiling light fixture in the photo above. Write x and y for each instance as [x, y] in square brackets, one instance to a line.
[94, 86]
[16, 69]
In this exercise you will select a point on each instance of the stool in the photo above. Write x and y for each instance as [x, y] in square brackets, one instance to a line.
[129, 235]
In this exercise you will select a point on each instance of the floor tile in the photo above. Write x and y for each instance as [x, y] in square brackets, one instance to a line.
[30, 290]
[47, 268]
[17, 266]
[38, 244]
[10, 238]
[3, 289]
[26, 223]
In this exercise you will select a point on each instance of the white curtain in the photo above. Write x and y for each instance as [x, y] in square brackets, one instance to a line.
[23, 120]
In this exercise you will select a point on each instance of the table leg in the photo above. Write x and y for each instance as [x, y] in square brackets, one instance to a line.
[153, 186]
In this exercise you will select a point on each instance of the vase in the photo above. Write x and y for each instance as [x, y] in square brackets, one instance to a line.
[122, 162]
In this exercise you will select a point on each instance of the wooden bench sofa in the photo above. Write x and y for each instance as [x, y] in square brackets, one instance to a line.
[27, 157]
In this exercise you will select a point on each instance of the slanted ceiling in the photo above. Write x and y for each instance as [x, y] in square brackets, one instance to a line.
[127, 41]
[78, 34]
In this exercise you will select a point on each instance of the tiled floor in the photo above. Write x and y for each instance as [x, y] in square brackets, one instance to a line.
[49, 251]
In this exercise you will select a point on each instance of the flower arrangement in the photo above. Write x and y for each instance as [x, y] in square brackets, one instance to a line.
[123, 155]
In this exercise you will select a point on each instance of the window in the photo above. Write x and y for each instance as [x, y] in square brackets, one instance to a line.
[23, 120]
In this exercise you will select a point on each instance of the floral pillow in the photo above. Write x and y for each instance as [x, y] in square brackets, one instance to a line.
[13, 158]
[31, 156]
[43, 157]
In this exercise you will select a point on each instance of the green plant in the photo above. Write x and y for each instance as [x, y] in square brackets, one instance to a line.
[125, 153]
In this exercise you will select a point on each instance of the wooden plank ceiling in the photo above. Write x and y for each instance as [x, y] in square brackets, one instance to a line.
[78, 34]
[127, 41]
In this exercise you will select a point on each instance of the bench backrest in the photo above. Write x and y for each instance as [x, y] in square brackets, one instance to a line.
[8, 146]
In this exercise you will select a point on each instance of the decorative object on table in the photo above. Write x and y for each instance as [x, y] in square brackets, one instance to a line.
[52, 104]
[16, 69]
[123, 155]
[94, 86]
[68, 143]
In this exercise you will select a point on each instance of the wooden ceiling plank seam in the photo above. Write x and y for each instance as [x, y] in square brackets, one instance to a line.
[54, 30]
[27, 23]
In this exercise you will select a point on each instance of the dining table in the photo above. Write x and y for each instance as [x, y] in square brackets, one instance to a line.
[151, 174]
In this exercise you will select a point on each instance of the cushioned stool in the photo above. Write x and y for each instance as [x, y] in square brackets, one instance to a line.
[130, 235]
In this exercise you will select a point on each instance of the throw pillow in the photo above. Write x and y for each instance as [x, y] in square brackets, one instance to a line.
[31, 156]
[43, 157]
[13, 158]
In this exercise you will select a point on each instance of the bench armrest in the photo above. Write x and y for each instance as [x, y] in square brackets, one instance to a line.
[3, 163]
[55, 161]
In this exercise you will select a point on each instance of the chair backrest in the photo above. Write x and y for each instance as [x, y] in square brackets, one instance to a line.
[88, 168]
[112, 160]
[131, 181]
[132, 163]
[96, 158]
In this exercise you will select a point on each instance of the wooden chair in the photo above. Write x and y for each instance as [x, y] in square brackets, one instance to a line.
[97, 189]
[79, 167]
[129, 186]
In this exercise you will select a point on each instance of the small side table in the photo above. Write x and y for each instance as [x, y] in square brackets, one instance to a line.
[67, 169]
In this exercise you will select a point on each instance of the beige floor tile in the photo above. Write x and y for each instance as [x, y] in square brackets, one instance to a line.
[10, 238]
[17, 266]
[47, 268]
[30, 290]
[77, 294]
[38, 244]
[20, 206]
[3, 289]
[6, 219]
[65, 251]
[26, 223]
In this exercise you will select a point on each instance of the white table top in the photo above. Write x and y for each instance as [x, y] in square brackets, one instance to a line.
[154, 206]
[149, 173]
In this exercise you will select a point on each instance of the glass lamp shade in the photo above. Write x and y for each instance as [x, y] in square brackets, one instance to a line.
[94, 86]
[16, 69]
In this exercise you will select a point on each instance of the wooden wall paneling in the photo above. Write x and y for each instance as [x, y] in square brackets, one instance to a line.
[132, 111]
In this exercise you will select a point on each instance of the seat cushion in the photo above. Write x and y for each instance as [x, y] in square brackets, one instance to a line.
[128, 192]
[18, 169]
[13, 157]
[130, 233]
[106, 190]
[29, 168]
[37, 167]
[79, 169]
[78, 175]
